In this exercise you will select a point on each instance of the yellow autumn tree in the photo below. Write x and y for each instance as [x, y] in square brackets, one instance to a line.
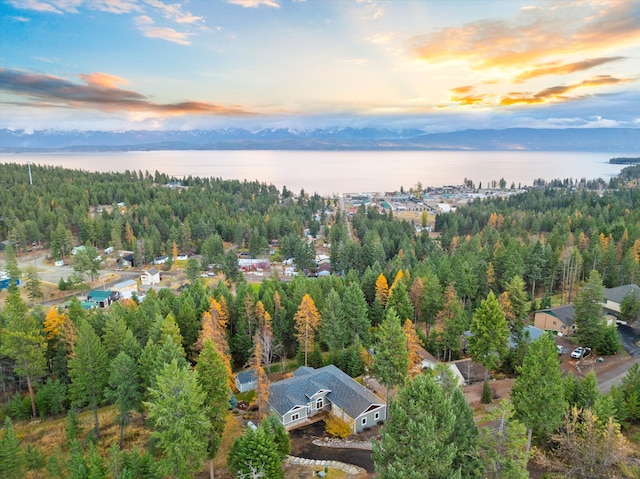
[214, 325]
[413, 344]
[307, 320]
[263, 384]
[396, 280]
[382, 289]
[491, 275]
[53, 323]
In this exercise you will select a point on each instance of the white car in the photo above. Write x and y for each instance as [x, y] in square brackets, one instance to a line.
[576, 353]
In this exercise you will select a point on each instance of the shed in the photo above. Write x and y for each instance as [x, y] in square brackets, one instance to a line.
[246, 380]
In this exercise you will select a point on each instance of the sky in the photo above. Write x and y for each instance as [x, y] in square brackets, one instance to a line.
[435, 65]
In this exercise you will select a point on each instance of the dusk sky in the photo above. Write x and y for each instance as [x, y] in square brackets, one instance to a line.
[433, 65]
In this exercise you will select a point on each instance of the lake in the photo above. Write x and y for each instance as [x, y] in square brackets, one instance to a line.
[334, 172]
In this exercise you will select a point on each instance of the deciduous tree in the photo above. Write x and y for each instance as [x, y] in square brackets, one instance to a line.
[307, 320]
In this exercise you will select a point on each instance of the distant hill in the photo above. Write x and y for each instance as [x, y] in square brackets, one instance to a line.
[570, 139]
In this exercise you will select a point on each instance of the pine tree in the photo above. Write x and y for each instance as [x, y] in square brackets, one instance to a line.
[416, 441]
[88, 370]
[256, 451]
[124, 388]
[354, 312]
[590, 323]
[333, 330]
[399, 300]
[307, 320]
[540, 409]
[180, 426]
[503, 444]
[213, 378]
[391, 359]
[11, 457]
[490, 333]
[22, 341]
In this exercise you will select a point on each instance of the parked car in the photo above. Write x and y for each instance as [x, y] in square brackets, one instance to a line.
[576, 353]
[580, 352]
[561, 349]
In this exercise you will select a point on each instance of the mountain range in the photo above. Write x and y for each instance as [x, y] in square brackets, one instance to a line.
[568, 139]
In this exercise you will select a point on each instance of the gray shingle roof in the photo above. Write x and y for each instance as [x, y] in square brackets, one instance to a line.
[345, 392]
[563, 313]
[246, 376]
[617, 294]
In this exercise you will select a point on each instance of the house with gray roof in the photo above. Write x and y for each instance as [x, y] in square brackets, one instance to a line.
[312, 394]
[558, 319]
[613, 297]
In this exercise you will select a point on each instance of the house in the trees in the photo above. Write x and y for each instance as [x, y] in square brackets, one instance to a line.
[312, 394]
[102, 298]
[150, 277]
[613, 297]
[559, 319]
[246, 380]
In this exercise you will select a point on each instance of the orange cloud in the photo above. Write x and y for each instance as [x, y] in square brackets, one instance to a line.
[100, 92]
[462, 96]
[558, 92]
[556, 69]
[536, 35]
[104, 80]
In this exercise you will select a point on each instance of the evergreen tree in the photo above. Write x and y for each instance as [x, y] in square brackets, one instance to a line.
[180, 426]
[124, 388]
[11, 457]
[333, 328]
[465, 437]
[256, 451]
[588, 314]
[503, 444]
[214, 380]
[22, 341]
[539, 408]
[490, 333]
[416, 441]
[354, 312]
[391, 359]
[88, 370]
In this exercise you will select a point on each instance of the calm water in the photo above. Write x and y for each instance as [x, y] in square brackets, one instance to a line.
[329, 172]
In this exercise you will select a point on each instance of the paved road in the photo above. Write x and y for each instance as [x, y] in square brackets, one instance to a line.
[629, 337]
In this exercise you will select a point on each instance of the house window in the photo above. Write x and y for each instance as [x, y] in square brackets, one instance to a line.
[319, 403]
[363, 421]
[376, 416]
[295, 417]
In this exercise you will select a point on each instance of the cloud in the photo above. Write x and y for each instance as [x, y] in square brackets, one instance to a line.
[559, 92]
[255, 3]
[558, 69]
[99, 92]
[537, 34]
[173, 12]
[71, 6]
[20, 19]
[146, 25]
[462, 95]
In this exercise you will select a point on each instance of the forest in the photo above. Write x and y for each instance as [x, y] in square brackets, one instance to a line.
[484, 269]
